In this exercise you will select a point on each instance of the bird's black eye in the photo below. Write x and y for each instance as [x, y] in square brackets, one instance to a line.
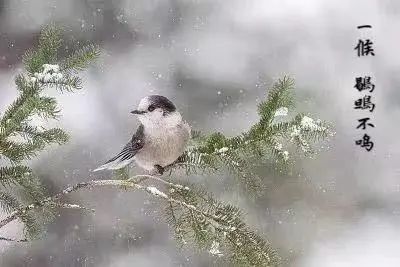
[151, 108]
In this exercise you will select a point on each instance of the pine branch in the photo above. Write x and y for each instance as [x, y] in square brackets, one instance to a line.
[267, 141]
[220, 224]
[67, 84]
[47, 50]
[224, 219]
[54, 199]
[11, 204]
[14, 175]
[280, 95]
[195, 215]
[19, 138]
[13, 240]
[8, 202]
[17, 151]
[17, 112]
[81, 58]
[72, 206]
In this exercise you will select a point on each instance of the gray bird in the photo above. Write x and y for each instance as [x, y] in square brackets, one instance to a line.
[159, 140]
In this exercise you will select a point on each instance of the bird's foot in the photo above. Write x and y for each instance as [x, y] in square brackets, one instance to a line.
[158, 170]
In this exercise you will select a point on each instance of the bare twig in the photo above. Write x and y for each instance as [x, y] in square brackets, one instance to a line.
[13, 240]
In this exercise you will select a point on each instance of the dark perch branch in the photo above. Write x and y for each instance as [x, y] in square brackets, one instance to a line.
[131, 183]
[13, 240]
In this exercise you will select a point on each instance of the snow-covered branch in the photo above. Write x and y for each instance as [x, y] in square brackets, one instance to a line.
[209, 214]
[130, 183]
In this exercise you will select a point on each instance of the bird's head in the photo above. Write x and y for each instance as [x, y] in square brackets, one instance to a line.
[157, 111]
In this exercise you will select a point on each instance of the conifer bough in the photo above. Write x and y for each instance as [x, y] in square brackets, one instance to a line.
[194, 214]
[21, 138]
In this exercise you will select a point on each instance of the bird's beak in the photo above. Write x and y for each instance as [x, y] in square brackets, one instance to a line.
[138, 112]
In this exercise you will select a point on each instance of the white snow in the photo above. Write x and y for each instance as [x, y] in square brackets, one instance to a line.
[223, 150]
[282, 111]
[304, 145]
[285, 155]
[192, 207]
[33, 80]
[156, 192]
[306, 124]
[50, 73]
[50, 68]
[214, 250]
[278, 146]
[73, 206]
[235, 162]
[309, 124]
[179, 186]
[295, 131]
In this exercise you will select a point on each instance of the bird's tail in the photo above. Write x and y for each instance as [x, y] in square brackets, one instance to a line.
[121, 160]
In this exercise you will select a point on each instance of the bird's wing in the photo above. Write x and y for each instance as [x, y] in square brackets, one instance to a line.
[128, 152]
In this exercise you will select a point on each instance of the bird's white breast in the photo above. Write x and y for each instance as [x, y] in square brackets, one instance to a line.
[163, 145]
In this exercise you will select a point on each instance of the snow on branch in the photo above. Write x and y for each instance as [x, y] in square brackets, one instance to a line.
[195, 215]
[223, 220]
[20, 138]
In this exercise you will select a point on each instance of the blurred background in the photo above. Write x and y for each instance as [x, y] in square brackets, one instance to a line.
[215, 60]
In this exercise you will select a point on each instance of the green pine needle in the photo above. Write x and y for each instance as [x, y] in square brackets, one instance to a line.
[20, 140]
